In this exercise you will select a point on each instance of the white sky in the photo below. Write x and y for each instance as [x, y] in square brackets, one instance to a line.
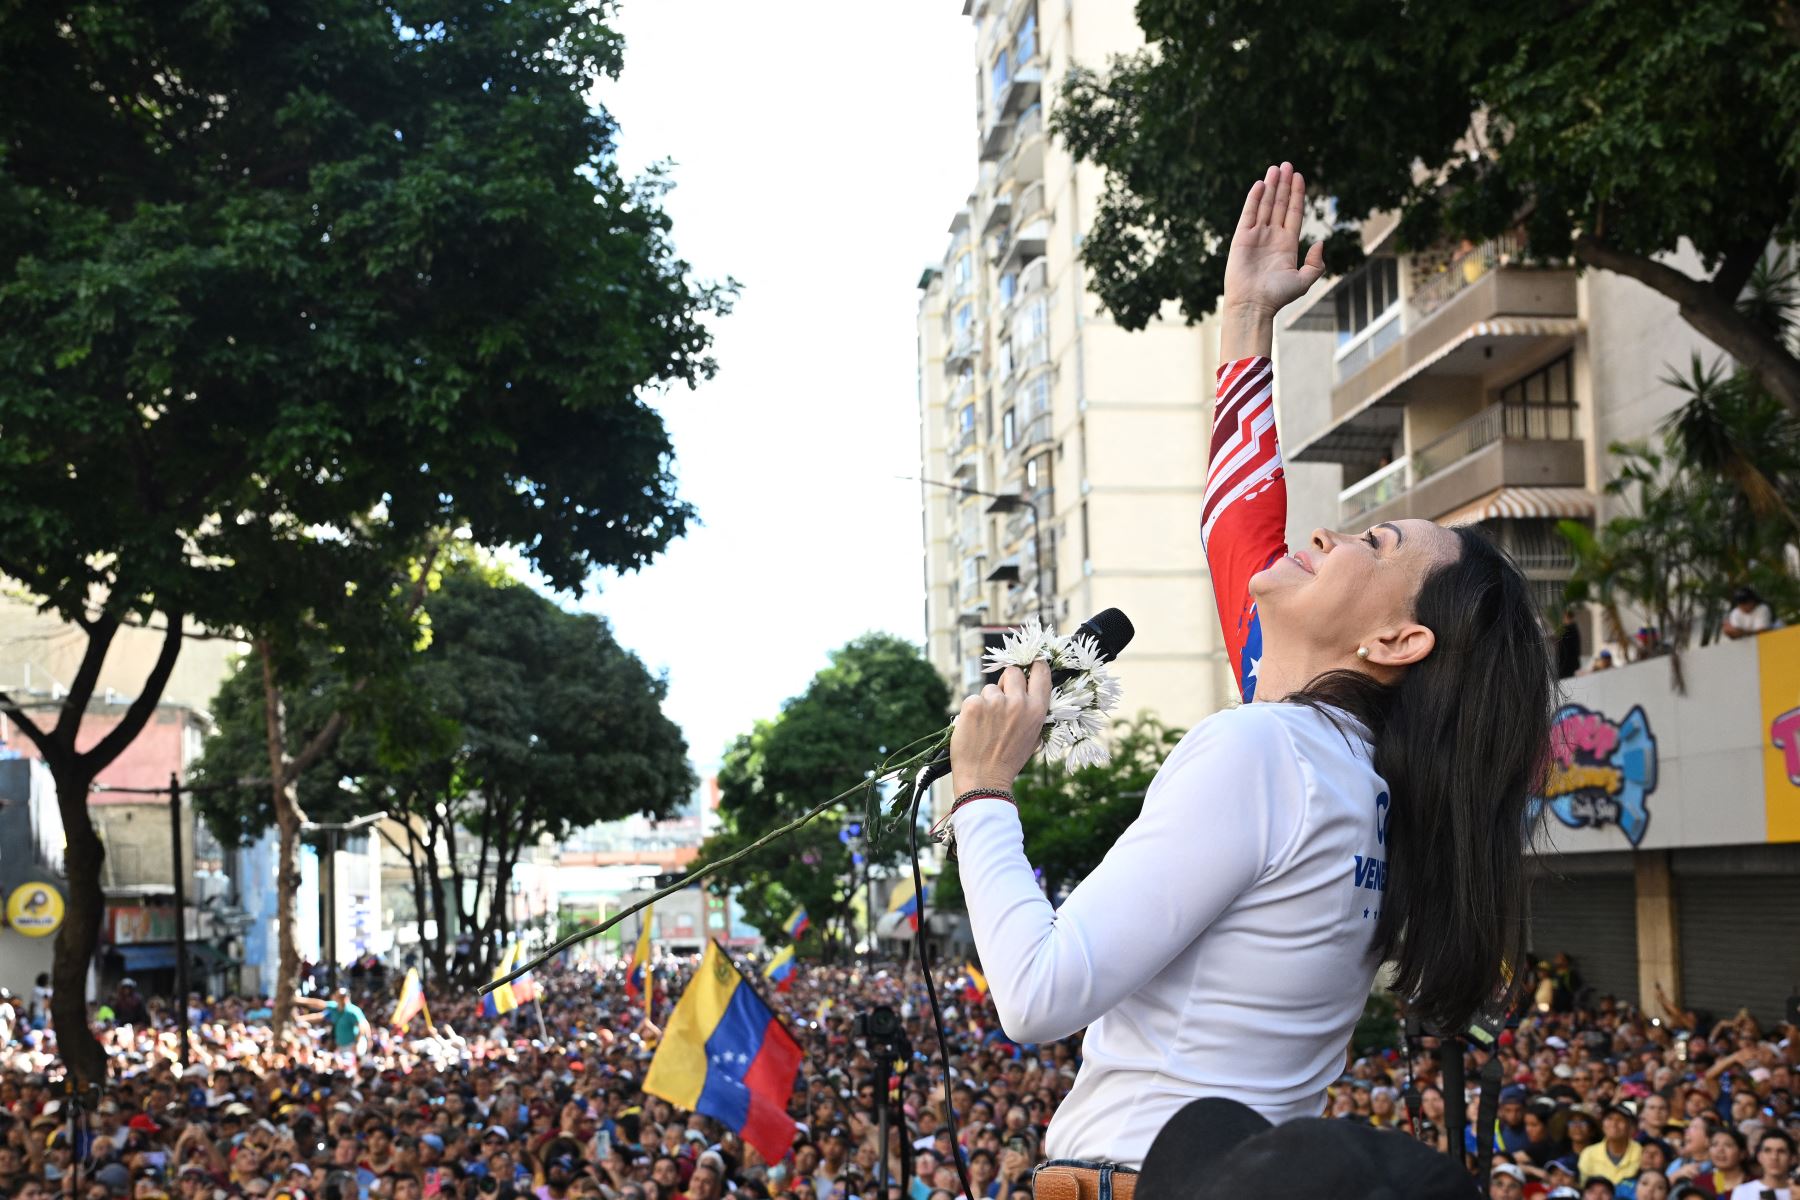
[820, 149]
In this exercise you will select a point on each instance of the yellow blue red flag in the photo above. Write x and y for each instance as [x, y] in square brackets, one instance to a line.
[780, 970]
[906, 902]
[638, 980]
[724, 1053]
[797, 924]
[502, 999]
[412, 1001]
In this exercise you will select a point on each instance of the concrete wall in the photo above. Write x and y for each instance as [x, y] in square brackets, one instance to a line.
[42, 650]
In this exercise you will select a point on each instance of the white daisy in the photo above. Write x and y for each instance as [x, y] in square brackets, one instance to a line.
[1080, 652]
[1088, 752]
[1020, 647]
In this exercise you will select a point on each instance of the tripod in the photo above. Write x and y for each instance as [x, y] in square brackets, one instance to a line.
[892, 1052]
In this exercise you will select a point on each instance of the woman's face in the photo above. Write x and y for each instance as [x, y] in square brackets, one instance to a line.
[1342, 591]
[1724, 1152]
[1652, 1185]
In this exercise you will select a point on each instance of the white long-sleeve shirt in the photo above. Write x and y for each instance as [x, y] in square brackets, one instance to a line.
[1222, 948]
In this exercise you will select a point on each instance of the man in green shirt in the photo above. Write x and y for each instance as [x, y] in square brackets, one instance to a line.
[347, 1026]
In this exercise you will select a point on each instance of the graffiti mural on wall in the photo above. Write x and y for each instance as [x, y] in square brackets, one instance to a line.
[1601, 772]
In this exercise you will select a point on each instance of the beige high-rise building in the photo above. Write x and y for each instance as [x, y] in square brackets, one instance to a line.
[1095, 438]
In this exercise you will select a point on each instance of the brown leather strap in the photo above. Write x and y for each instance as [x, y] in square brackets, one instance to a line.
[1080, 1183]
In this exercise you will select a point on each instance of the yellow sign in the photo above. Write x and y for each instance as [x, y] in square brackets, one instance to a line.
[35, 909]
[1778, 653]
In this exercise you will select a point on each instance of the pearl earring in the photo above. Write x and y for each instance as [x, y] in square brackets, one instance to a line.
[1362, 652]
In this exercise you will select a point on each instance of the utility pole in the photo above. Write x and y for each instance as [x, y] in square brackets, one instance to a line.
[181, 959]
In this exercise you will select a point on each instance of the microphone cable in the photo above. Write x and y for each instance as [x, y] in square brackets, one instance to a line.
[937, 1013]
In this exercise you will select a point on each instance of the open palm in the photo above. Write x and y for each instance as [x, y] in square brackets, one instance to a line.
[1261, 271]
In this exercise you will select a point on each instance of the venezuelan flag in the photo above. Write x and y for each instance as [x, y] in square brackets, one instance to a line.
[977, 980]
[798, 923]
[412, 1000]
[638, 980]
[502, 1000]
[903, 901]
[726, 1055]
[781, 969]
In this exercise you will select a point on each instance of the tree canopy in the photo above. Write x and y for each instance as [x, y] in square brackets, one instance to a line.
[517, 722]
[287, 290]
[878, 694]
[1615, 133]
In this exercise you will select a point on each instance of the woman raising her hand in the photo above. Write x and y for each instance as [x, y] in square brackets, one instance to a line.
[1370, 805]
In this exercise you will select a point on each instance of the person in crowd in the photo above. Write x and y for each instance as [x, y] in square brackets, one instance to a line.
[1619, 1156]
[1774, 1166]
[1568, 645]
[1750, 615]
[1603, 661]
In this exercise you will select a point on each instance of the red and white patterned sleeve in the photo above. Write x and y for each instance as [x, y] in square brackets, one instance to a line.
[1243, 520]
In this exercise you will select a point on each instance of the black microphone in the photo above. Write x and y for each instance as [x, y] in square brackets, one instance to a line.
[1111, 631]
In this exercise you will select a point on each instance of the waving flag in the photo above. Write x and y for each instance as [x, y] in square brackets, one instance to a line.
[780, 970]
[977, 981]
[903, 901]
[798, 923]
[412, 1001]
[638, 980]
[504, 998]
[725, 1054]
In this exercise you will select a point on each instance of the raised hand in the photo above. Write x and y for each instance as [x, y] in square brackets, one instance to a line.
[1263, 272]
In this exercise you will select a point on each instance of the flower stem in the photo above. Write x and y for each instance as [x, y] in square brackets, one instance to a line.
[688, 881]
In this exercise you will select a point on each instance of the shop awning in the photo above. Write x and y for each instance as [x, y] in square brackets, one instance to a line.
[1555, 503]
[159, 957]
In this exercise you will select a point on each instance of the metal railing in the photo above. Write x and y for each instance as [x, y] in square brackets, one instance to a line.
[1373, 491]
[1028, 123]
[1029, 205]
[1522, 422]
[1034, 278]
[1463, 271]
[1380, 336]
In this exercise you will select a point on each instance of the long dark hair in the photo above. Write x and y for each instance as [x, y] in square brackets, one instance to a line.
[1462, 741]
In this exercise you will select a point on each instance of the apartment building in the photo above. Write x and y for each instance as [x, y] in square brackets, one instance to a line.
[1064, 456]
[1470, 384]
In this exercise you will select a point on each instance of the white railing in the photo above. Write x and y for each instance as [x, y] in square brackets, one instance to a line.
[1369, 345]
[1372, 491]
[1030, 204]
[1462, 271]
[1034, 278]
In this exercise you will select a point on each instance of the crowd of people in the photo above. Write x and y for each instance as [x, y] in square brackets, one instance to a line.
[1600, 1101]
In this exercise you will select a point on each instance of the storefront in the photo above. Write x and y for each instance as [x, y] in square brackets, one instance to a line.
[1671, 835]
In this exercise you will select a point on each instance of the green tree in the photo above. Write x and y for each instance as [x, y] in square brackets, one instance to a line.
[877, 695]
[1713, 508]
[1615, 133]
[286, 289]
[1071, 819]
[517, 722]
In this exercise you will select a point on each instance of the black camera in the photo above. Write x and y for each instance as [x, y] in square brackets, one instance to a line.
[881, 1028]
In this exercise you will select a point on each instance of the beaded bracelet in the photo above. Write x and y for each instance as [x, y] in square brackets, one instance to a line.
[944, 833]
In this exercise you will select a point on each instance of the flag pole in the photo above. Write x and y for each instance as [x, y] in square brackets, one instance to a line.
[537, 1004]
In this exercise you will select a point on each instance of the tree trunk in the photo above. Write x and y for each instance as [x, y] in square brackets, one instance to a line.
[283, 793]
[79, 936]
[1710, 310]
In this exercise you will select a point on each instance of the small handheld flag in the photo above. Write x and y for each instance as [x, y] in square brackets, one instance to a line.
[412, 1001]
[504, 998]
[780, 970]
[724, 1053]
[977, 981]
[638, 980]
[906, 902]
[798, 923]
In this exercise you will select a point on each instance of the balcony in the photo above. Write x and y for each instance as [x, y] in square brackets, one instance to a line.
[1477, 316]
[1030, 233]
[1025, 149]
[1000, 215]
[993, 141]
[1520, 448]
[1021, 91]
[963, 347]
[1032, 437]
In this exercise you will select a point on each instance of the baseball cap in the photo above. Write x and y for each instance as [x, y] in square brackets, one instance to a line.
[1563, 1193]
[143, 1123]
[114, 1177]
[1215, 1148]
[1508, 1169]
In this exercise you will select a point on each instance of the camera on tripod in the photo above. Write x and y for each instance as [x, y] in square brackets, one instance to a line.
[881, 1028]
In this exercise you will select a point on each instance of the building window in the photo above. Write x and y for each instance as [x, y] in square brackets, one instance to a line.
[999, 74]
[1025, 43]
[1037, 396]
[1008, 430]
[1009, 286]
[1542, 404]
[1365, 297]
[965, 317]
[967, 420]
[963, 272]
[1033, 472]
